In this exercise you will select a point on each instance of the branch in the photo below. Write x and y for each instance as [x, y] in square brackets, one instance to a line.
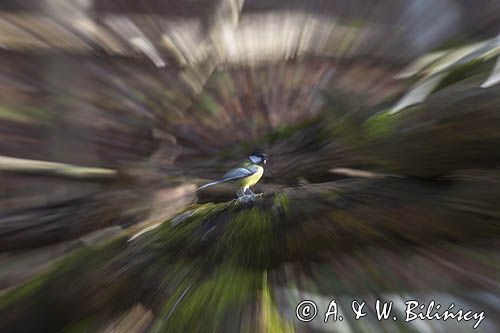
[21, 165]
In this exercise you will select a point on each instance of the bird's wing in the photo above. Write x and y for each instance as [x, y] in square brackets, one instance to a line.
[237, 173]
[233, 174]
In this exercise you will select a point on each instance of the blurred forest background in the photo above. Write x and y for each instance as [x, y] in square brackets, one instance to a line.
[380, 119]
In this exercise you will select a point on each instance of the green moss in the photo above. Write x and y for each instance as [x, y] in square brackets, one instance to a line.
[24, 114]
[243, 236]
[381, 125]
[76, 260]
[249, 238]
[208, 103]
[282, 202]
[23, 291]
[462, 72]
[174, 235]
[271, 319]
[203, 307]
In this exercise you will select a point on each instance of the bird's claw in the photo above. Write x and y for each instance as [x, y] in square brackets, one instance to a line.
[247, 198]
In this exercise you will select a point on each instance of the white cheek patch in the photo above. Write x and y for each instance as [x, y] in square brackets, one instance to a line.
[255, 159]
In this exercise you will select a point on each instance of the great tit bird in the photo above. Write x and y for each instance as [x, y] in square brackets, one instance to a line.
[246, 175]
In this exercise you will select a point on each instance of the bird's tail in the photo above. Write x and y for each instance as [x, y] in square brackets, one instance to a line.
[210, 184]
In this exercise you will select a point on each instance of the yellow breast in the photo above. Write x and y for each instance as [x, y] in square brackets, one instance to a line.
[253, 179]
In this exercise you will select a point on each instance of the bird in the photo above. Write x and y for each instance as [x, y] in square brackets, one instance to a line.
[246, 175]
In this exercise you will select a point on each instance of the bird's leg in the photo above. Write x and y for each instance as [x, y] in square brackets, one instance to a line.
[249, 192]
[242, 197]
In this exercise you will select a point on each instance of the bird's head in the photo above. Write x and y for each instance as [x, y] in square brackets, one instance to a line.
[258, 158]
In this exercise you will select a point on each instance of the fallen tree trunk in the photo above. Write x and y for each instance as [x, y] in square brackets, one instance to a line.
[198, 269]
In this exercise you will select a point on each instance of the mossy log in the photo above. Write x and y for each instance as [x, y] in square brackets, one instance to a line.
[206, 266]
